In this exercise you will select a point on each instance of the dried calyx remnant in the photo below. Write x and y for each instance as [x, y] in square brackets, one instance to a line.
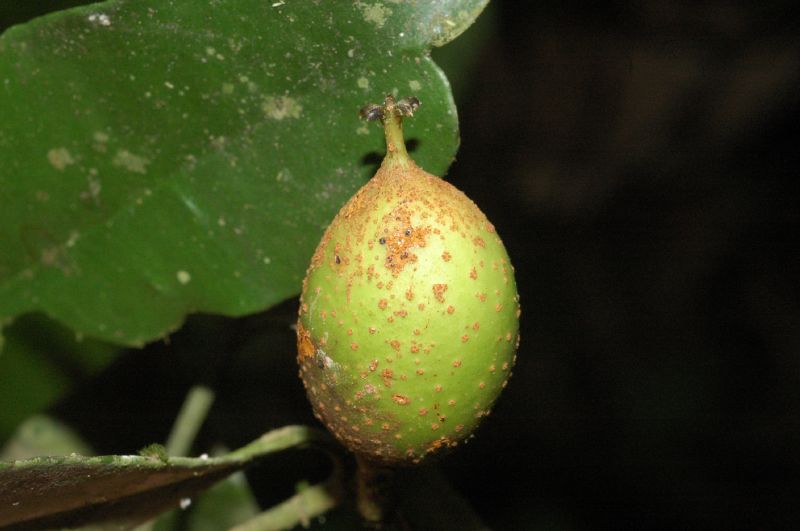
[408, 322]
[391, 114]
[375, 111]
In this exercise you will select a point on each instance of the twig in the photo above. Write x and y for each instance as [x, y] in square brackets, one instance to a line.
[308, 503]
[190, 418]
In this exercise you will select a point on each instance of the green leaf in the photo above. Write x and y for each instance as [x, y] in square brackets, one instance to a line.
[41, 361]
[160, 158]
[75, 490]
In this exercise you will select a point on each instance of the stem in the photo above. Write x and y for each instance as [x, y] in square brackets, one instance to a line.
[395, 143]
[374, 491]
[191, 416]
[310, 502]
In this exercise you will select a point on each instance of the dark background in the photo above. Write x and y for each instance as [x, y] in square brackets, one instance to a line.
[640, 161]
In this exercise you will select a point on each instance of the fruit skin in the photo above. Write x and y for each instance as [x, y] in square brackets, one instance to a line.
[408, 321]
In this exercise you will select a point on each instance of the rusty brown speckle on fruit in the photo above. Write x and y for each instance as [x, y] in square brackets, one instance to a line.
[438, 291]
[401, 400]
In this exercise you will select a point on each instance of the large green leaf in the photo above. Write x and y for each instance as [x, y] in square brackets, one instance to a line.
[159, 158]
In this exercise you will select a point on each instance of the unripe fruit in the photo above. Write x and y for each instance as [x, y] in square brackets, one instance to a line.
[408, 322]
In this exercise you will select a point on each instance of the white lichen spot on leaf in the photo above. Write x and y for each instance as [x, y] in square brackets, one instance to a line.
[363, 83]
[131, 162]
[363, 129]
[280, 107]
[375, 13]
[183, 277]
[414, 85]
[100, 141]
[60, 158]
[100, 19]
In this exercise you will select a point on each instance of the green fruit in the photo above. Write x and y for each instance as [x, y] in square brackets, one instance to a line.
[408, 322]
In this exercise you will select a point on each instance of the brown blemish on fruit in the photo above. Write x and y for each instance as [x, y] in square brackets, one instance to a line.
[498, 307]
[465, 338]
[387, 375]
[437, 388]
[401, 400]
[304, 345]
[401, 313]
[446, 256]
[476, 326]
[457, 363]
[481, 296]
[435, 426]
[421, 307]
[400, 238]
[451, 310]
[473, 274]
[423, 411]
[410, 294]
[372, 330]
[477, 240]
[395, 344]
[451, 402]
[354, 346]
[420, 372]
[373, 365]
[482, 385]
[382, 304]
[438, 291]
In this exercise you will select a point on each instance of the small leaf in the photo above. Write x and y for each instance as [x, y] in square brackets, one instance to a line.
[75, 490]
[161, 158]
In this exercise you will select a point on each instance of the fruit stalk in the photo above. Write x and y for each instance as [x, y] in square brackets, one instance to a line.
[375, 497]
